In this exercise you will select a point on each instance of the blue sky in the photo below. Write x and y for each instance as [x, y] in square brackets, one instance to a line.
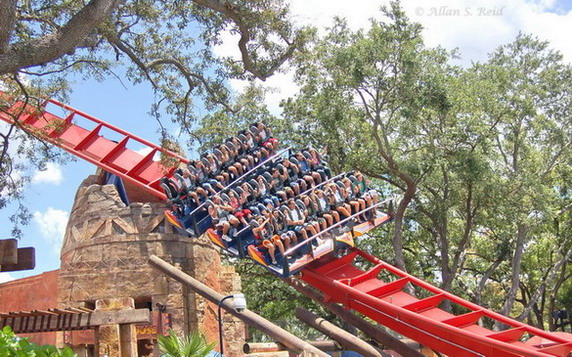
[491, 23]
[561, 6]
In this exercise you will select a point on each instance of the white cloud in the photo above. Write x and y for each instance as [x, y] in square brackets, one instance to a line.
[5, 277]
[52, 225]
[146, 150]
[51, 175]
[475, 27]
[478, 27]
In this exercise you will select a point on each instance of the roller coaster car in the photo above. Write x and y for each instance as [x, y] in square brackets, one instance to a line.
[244, 245]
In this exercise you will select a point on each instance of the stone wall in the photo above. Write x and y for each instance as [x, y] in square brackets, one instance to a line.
[105, 252]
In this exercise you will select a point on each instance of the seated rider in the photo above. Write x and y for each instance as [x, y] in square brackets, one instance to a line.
[294, 175]
[313, 213]
[191, 187]
[203, 176]
[216, 172]
[323, 207]
[337, 201]
[312, 177]
[264, 191]
[262, 234]
[240, 153]
[357, 203]
[277, 184]
[282, 232]
[220, 213]
[296, 220]
[370, 196]
[317, 164]
[241, 213]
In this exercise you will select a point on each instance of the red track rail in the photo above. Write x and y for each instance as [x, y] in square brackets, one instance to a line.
[422, 319]
[340, 280]
[89, 145]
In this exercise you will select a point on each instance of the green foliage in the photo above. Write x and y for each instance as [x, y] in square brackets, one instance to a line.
[11, 346]
[483, 153]
[169, 45]
[275, 300]
[194, 345]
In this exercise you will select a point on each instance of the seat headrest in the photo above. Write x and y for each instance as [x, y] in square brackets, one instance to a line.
[230, 145]
[267, 176]
[286, 208]
[253, 183]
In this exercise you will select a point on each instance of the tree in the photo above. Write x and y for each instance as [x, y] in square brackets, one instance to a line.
[363, 93]
[480, 155]
[168, 44]
[532, 133]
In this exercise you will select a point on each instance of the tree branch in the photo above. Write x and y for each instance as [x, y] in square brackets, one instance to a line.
[55, 45]
[249, 65]
[7, 23]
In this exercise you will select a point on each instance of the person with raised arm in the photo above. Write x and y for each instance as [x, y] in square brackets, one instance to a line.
[263, 235]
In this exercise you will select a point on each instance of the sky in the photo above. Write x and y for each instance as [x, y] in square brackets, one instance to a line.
[475, 28]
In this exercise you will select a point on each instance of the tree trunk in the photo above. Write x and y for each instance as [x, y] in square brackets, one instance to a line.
[486, 276]
[398, 227]
[515, 268]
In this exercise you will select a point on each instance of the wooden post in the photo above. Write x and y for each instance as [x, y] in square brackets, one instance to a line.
[8, 251]
[292, 342]
[261, 347]
[344, 338]
[116, 338]
[374, 332]
[26, 260]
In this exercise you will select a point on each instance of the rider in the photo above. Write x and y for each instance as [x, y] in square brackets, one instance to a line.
[220, 213]
[262, 234]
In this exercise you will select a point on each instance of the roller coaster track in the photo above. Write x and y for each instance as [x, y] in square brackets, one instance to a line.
[87, 142]
[377, 291]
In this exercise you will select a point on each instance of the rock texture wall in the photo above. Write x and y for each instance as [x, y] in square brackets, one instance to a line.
[105, 252]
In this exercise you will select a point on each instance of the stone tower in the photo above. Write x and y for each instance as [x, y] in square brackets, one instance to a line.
[105, 253]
